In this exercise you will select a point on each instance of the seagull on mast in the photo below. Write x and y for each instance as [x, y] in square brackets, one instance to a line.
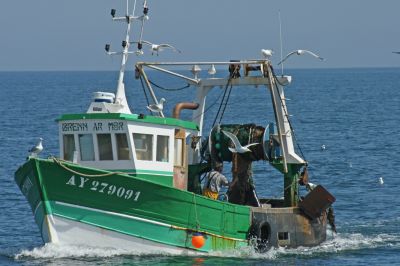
[267, 53]
[300, 52]
[35, 150]
[238, 147]
[156, 108]
[155, 48]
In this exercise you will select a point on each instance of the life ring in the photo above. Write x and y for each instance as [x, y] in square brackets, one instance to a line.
[260, 235]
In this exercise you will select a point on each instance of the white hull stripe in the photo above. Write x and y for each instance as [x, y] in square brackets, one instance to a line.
[112, 213]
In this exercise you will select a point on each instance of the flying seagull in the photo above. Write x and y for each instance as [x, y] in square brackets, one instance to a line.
[155, 48]
[238, 147]
[267, 53]
[300, 52]
[35, 150]
[156, 108]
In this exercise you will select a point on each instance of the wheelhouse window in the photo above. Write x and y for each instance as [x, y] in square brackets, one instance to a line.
[86, 147]
[143, 146]
[105, 147]
[162, 148]
[122, 146]
[68, 146]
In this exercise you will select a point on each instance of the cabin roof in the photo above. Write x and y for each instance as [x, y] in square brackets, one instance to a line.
[133, 117]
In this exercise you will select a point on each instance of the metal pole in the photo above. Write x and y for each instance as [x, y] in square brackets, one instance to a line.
[150, 88]
[277, 118]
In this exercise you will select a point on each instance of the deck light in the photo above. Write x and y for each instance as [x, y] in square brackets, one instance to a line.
[195, 70]
[211, 71]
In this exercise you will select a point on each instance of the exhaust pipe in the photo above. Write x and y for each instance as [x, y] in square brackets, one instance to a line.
[176, 112]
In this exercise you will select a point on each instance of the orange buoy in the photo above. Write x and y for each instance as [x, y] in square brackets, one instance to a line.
[198, 240]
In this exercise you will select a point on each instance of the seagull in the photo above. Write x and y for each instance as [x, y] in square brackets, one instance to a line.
[155, 48]
[35, 150]
[323, 147]
[238, 147]
[381, 180]
[300, 52]
[267, 53]
[156, 108]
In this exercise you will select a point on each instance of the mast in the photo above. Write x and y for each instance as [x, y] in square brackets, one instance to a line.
[120, 96]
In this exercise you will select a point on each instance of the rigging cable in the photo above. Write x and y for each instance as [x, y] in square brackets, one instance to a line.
[232, 75]
[165, 89]
[226, 103]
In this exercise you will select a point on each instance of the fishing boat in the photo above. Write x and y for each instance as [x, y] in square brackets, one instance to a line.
[134, 181]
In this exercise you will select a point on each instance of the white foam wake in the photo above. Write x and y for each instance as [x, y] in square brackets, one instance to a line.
[338, 243]
[347, 242]
[55, 251]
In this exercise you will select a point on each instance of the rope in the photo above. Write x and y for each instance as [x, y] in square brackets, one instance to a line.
[198, 225]
[208, 233]
[165, 89]
[57, 161]
[195, 212]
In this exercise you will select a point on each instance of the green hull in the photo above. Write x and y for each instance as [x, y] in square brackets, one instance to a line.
[131, 205]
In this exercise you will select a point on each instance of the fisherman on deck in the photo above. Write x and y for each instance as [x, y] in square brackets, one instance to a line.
[214, 180]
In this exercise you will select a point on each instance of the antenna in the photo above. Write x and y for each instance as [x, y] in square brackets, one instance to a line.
[280, 38]
[120, 97]
[134, 8]
[145, 17]
[129, 19]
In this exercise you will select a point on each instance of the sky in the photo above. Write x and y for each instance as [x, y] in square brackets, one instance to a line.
[70, 35]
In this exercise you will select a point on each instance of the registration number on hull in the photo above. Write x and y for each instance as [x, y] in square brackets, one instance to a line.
[104, 188]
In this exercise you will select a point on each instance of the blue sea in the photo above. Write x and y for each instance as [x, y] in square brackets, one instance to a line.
[355, 113]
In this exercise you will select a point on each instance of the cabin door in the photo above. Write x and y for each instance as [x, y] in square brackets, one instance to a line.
[180, 160]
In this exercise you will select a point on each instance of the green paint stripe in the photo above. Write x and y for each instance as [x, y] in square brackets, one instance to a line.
[133, 117]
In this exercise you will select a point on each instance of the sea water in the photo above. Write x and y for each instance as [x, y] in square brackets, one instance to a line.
[354, 113]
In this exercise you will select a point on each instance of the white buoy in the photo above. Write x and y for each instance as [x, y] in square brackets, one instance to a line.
[381, 180]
